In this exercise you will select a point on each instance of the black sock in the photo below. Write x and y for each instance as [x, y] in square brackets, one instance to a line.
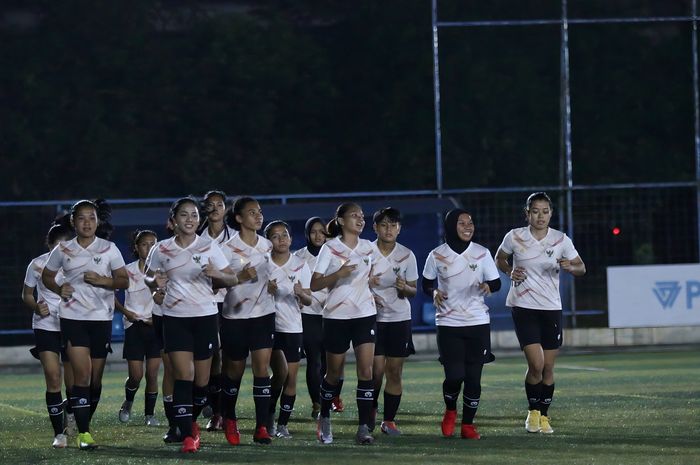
[130, 390]
[547, 395]
[327, 394]
[261, 397]
[182, 406]
[365, 396]
[150, 403]
[214, 395]
[168, 409]
[391, 405]
[450, 392]
[229, 389]
[286, 407]
[199, 400]
[375, 397]
[95, 393]
[339, 387]
[274, 397]
[80, 401]
[313, 376]
[54, 405]
[534, 395]
[66, 403]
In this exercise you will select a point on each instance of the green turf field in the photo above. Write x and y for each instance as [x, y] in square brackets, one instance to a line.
[621, 408]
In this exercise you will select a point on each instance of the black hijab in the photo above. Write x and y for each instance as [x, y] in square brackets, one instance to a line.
[450, 225]
[313, 249]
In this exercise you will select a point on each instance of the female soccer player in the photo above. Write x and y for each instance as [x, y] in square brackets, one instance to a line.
[214, 228]
[458, 274]
[343, 267]
[187, 267]
[538, 253]
[140, 340]
[93, 269]
[248, 323]
[312, 315]
[393, 282]
[47, 333]
[289, 286]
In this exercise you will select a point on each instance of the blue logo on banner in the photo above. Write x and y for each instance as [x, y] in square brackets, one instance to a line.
[667, 292]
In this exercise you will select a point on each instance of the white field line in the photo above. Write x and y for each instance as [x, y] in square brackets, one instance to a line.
[577, 367]
[21, 410]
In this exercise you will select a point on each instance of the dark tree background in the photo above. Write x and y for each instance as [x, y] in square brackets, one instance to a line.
[141, 98]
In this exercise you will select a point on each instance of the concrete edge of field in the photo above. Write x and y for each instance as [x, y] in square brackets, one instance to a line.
[17, 359]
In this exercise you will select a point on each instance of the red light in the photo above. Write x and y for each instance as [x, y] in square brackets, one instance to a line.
[616, 231]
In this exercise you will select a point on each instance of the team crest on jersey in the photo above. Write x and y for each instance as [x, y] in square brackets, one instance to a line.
[291, 277]
[549, 252]
[197, 259]
[397, 270]
[473, 266]
[97, 260]
[366, 260]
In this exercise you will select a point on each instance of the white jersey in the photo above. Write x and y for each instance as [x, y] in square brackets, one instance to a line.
[288, 316]
[459, 276]
[399, 263]
[88, 302]
[157, 309]
[248, 299]
[189, 291]
[318, 298]
[540, 291]
[137, 297]
[350, 297]
[223, 236]
[33, 279]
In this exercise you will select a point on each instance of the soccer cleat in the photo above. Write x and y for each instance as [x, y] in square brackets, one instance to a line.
[363, 436]
[215, 423]
[71, 427]
[470, 432]
[173, 435]
[151, 420]
[195, 432]
[207, 412]
[448, 423]
[125, 411]
[532, 422]
[545, 427]
[323, 430]
[85, 441]
[315, 410]
[372, 419]
[283, 432]
[390, 428]
[337, 405]
[261, 436]
[190, 445]
[271, 429]
[233, 436]
[60, 441]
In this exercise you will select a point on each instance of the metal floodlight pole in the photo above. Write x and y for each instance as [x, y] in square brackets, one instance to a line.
[436, 100]
[696, 101]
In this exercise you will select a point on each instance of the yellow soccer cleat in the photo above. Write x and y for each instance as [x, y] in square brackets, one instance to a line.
[532, 423]
[545, 427]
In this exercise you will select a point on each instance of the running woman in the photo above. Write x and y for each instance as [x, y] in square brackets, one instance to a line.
[214, 228]
[93, 269]
[248, 323]
[343, 267]
[312, 315]
[47, 334]
[533, 257]
[140, 340]
[458, 274]
[188, 267]
[289, 286]
[393, 282]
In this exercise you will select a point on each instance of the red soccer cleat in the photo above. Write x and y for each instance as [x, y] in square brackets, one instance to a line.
[448, 423]
[261, 436]
[337, 405]
[470, 432]
[190, 445]
[233, 436]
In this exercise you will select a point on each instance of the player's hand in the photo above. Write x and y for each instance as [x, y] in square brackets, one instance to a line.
[565, 264]
[66, 291]
[93, 278]
[161, 279]
[272, 287]
[159, 296]
[374, 280]
[439, 298]
[210, 271]
[484, 289]
[248, 273]
[129, 315]
[518, 274]
[345, 270]
[42, 309]
[379, 301]
[298, 289]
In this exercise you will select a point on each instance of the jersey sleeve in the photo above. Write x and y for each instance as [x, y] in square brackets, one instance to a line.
[429, 270]
[31, 278]
[569, 251]
[489, 269]
[323, 260]
[217, 257]
[305, 276]
[116, 260]
[507, 244]
[55, 259]
[412, 268]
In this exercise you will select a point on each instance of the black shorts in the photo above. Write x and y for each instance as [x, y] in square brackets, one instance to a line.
[394, 339]
[239, 337]
[464, 344]
[313, 332]
[96, 335]
[48, 341]
[140, 342]
[291, 344]
[542, 327]
[197, 334]
[158, 329]
[337, 334]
